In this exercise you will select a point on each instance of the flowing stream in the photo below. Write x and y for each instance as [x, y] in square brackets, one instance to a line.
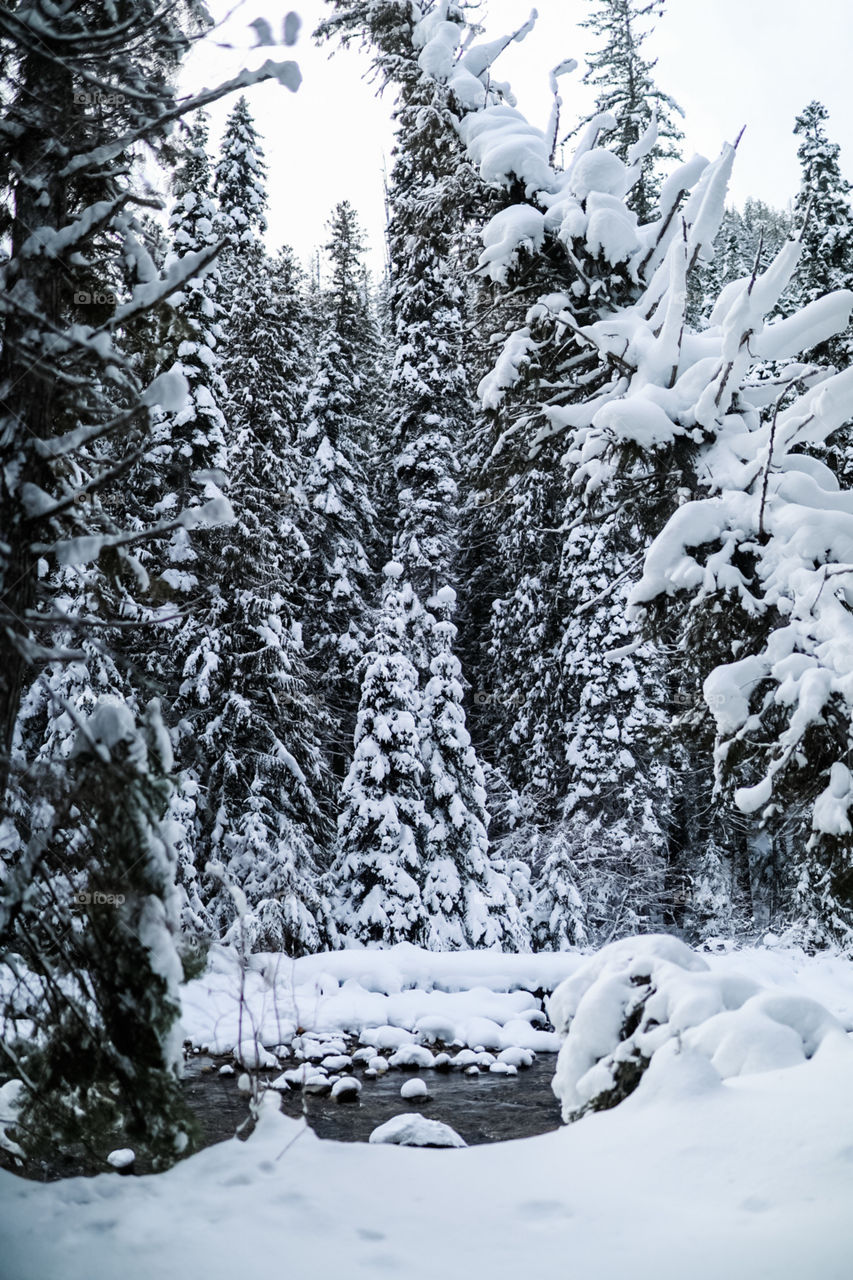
[481, 1108]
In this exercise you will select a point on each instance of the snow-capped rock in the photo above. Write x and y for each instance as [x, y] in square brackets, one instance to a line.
[412, 1130]
[346, 1089]
[414, 1089]
[412, 1055]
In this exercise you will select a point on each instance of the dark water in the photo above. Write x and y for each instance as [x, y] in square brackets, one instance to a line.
[484, 1108]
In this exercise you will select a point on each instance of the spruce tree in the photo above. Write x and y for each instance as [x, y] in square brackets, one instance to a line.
[245, 689]
[823, 208]
[383, 824]
[750, 576]
[96, 942]
[432, 193]
[576, 705]
[183, 467]
[83, 88]
[336, 443]
[240, 186]
[190, 445]
[469, 901]
[623, 77]
[559, 915]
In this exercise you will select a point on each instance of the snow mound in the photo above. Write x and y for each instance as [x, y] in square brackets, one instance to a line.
[519, 227]
[641, 998]
[412, 1130]
[600, 171]
[412, 1055]
[505, 146]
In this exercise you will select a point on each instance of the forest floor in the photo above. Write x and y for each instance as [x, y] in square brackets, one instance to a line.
[692, 1176]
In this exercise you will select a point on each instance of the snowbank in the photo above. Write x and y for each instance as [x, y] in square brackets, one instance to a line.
[715, 1165]
[471, 998]
[750, 1178]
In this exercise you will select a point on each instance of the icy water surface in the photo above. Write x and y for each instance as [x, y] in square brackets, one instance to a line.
[482, 1108]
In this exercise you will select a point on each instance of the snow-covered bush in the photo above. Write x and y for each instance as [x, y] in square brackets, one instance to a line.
[641, 997]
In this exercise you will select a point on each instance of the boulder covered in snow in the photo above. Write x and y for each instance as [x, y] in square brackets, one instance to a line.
[641, 996]
[346, 1089]
[122, 1159]
[414, 1089]
[411, 1057]
[250, 1053]
[412, 1130]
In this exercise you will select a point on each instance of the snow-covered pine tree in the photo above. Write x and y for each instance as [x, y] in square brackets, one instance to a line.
[97, 944]
[343, 523]
[635, 415]
[267, 793]
[81, 92]
[469, 901]
[430, 190]
[432, 194]
[751, 576]
[623, 77]
[189, 446]
[250, 727]
[578, 703]
[240, 185]
[558, 913]
[182, 468]
[823, 208]
[383, 825]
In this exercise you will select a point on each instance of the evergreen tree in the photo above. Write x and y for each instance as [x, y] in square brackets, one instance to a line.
[183, 467]
[335, 442]
[432, 193]
[240, 186]
[823, 208]
[190, 445]
[96, 943]
[83, 87]
[251, 730]
[749, 580]
[383, 824]
[576, 705]
[622, 76]
[559, 915]
[468, 900]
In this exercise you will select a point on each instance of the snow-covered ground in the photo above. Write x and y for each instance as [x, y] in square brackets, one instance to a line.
[693, 1175]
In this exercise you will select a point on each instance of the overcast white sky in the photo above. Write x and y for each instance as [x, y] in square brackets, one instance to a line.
[727, 62]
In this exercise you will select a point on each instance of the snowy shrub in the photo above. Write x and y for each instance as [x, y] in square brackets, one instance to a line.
[645, 996]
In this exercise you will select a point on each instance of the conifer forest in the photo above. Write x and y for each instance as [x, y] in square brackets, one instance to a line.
[499, 602]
